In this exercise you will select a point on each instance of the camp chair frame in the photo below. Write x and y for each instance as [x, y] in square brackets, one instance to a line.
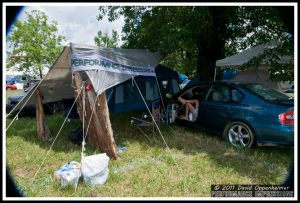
[146, 122]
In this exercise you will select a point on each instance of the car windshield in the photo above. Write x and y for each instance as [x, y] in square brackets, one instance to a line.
[267, 93]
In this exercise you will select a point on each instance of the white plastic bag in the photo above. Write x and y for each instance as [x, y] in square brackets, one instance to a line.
[95, 169]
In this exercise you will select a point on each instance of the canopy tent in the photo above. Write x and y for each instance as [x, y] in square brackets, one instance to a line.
[255, 74]
[105, 67]
[78, 70]
[245, 56]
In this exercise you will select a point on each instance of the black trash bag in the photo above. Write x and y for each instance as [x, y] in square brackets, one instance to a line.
[76, 136]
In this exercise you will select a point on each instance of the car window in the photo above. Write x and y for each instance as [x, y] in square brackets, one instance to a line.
[196, 92]
[224, 93]
[237, 96]
[266, 92]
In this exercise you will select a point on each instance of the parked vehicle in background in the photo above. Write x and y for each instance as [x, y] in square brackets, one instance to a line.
[10, 87]
[244, 113]
[290, 90]
[30, 109]
[30, 83]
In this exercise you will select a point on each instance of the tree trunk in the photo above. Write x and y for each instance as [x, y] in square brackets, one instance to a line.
[43, 131]
[211, 45]
[99, 132]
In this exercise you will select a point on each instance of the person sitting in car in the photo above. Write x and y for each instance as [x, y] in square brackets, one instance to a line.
[191, 108]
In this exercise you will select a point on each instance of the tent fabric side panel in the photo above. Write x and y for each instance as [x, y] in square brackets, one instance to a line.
[100, 134]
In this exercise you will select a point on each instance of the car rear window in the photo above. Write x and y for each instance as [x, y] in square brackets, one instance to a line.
[267, 93]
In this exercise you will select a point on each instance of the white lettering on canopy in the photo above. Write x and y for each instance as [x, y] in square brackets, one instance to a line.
[97, 62]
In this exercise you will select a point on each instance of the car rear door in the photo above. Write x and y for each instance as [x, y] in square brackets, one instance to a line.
[217, 108]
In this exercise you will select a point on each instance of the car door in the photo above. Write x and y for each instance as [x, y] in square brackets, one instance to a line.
[216, 108]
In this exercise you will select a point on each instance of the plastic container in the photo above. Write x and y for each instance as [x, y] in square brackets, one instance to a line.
[70, 177]
[68, 174]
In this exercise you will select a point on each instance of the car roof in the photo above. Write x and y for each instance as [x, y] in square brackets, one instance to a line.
[196, 81]
[229, 82]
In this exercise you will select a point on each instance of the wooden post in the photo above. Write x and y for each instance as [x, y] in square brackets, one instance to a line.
[100, 134]
[43, 131]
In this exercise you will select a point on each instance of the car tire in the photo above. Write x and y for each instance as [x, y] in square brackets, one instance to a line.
[239, 134]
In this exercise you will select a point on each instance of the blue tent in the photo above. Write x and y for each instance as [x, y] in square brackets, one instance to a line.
[125, 96]
[182, 77]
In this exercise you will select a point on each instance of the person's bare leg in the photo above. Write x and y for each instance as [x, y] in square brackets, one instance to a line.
[195, 102]
[191, 108]
[186, 115]
[182, 101]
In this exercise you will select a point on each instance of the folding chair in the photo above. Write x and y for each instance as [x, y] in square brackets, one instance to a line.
[146, 123]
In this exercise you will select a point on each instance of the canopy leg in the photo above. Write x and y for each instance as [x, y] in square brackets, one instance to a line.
[99, 132]
[43, 131]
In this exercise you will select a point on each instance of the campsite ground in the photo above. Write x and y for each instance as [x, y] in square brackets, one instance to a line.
[10, 93]
[146, 167]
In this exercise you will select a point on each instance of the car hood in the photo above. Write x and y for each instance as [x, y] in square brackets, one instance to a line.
[17, 97]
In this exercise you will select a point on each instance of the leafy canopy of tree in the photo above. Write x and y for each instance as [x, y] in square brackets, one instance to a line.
[192, 38]
[103, 40]
[35, 42]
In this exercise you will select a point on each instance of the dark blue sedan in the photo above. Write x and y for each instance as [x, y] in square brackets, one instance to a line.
[244, 113]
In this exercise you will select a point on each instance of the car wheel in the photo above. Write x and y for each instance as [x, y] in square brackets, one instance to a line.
[239, 134]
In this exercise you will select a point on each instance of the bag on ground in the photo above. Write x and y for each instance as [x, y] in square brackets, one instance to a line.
[95, 169]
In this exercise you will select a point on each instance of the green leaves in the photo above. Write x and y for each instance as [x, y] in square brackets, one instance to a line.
[192, 38]
[36, 40]
[102, 40]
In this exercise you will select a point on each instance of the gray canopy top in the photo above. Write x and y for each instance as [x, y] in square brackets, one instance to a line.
[105, 67]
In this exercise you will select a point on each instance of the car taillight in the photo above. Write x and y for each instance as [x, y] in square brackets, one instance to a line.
[287, 118]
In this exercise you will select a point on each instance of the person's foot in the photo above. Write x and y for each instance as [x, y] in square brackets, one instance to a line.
[183, 117]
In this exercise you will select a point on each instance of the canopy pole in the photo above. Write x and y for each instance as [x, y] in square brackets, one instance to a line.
[154, 121]
[42, 129]
[100, 135]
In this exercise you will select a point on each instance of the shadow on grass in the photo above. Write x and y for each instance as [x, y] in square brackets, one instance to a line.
[259, 163]
[25, 127]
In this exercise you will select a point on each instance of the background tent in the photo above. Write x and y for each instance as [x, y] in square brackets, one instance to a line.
[254, 74]
[125, 97]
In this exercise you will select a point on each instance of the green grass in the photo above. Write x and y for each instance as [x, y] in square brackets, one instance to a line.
[146, 167]
[10, 93]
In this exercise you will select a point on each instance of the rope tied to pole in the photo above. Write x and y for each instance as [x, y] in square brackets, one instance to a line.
[40, 166]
